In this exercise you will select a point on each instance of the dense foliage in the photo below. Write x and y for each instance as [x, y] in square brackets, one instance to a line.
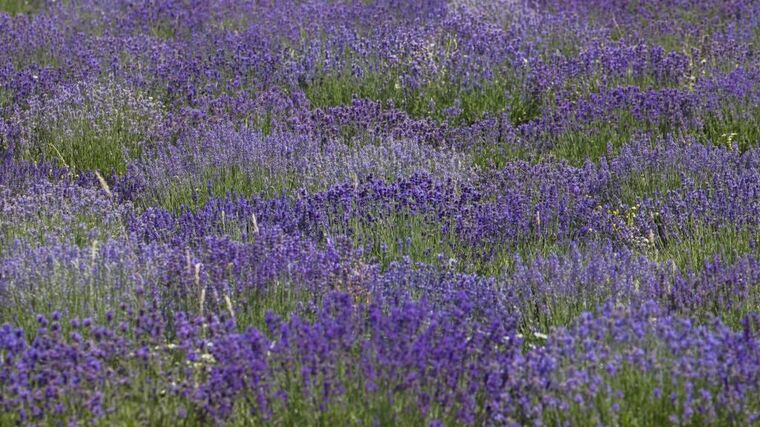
[386, 212]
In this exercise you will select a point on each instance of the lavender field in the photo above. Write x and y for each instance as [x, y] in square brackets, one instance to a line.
[379, 212]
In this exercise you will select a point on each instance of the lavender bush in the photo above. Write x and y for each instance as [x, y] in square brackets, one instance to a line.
[387, 212]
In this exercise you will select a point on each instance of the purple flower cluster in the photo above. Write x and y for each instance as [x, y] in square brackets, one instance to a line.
[405, 354]
[387, 212]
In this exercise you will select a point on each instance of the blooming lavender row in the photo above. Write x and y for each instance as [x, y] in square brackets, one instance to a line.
[409, 361]
[549, 88]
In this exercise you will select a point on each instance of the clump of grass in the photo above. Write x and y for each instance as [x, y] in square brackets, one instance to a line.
[703, 243]
[92, 145]
[15, 7]
[647, 183]
[162, 31]
[601, 138]
[729, 128]
[91, 126]
[578, 147]
[6, 97]
[439, 99]
[495, 156]
[193, 193]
